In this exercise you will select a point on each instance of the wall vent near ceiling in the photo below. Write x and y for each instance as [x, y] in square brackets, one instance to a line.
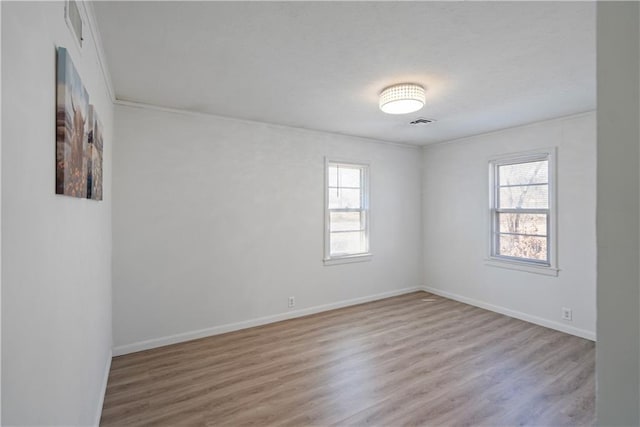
[422, 121]
[74, 20]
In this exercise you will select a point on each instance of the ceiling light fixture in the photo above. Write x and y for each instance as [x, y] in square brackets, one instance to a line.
[402, 98]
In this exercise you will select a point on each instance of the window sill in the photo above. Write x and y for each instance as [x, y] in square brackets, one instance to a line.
[347, 259]
[522, 266]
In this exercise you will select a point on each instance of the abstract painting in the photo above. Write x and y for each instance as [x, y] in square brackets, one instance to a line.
[94, 157]
[72, 108]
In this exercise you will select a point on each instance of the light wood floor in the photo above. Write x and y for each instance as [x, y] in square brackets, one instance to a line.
[398, 361]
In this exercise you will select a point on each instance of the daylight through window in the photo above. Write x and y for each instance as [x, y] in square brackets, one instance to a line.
[521, 209]
[347, 210]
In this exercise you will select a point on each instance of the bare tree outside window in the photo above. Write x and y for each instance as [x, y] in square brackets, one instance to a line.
[520, 210]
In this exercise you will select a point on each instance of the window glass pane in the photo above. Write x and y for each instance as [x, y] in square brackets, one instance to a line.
[333, 176]
[528, 247]
[525, 197]
[347, 243]
[524, 173]
[346, 221]
[344, 198]
[523, 223]
[348, 177]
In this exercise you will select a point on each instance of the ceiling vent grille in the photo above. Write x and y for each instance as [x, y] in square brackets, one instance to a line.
[422, 121]
[74, 20]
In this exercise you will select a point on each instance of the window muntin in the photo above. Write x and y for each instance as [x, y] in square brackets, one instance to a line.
[347, 210]
[521, 209]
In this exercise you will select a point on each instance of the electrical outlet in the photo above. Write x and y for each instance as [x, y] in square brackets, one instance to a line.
[292, 302]
[567, 314]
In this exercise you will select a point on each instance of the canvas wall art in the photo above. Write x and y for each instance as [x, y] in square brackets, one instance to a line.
[94, 165]
[71, 129]
[79, 136]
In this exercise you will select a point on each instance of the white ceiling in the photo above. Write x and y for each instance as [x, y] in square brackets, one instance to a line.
[321, 65]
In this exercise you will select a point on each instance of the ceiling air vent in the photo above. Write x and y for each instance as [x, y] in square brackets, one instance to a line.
[74, 20]
[422, 121]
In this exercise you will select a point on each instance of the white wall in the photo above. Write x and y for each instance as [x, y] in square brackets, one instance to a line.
[0, 236]
[455, 206]
[56, 250]
[218, 221]
[618, 349]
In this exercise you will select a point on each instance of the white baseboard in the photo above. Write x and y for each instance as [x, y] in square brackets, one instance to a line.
[103, 389]
[582, 333]
[230, 327]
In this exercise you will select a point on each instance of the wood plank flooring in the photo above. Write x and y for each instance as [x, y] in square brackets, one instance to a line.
[398, 361]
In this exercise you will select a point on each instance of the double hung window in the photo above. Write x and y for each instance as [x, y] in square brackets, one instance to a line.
[347, 211]
[522, 209]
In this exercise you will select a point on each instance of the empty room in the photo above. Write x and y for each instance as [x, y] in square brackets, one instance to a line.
[320, 213]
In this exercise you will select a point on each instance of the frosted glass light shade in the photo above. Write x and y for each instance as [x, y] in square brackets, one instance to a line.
[402, 99]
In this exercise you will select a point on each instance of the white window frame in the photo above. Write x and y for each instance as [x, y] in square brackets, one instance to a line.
[365, 207]
[550, 266]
